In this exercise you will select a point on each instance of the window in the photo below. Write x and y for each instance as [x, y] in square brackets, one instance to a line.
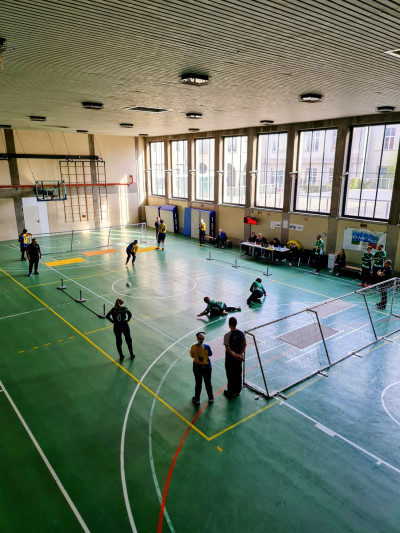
[271, 161]
[370, 172]
[157, 168]
[205, 156]
[234, 190]
[179, 169]
[388, 142]
[315, 170]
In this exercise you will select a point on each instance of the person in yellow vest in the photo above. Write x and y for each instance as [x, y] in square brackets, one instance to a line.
[131, 251]
[162, 231]
[202, 232]
[201, 353]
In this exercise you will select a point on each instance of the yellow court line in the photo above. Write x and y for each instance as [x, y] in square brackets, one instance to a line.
[110, 358]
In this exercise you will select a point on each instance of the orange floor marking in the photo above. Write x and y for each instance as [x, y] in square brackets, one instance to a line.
[101, 252]
[66, 262]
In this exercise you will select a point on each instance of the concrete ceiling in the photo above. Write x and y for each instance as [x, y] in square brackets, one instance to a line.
[260, 56]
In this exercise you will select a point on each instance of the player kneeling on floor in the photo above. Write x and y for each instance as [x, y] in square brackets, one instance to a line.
[257, 291]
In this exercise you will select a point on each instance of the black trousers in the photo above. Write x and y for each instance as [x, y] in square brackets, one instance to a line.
[23, 250]
[233, 368]
[254, 296]
[317, 262]
[202, 236]
[33, 263]
[119, 330]
[202, 373]
[375, 277]
[365, 275]
[130, 254]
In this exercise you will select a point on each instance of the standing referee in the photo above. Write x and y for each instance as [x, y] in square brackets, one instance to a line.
[33, 253]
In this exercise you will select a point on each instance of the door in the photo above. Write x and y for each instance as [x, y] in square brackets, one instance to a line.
[32, 219]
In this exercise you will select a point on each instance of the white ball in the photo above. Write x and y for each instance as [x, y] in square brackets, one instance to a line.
[129, 284]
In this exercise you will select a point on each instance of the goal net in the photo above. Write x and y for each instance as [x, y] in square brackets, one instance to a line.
[285, 352]
[51, 243]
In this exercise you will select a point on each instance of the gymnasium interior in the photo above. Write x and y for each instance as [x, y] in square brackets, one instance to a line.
[280, 118]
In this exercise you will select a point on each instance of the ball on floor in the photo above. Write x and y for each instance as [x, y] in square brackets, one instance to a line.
[129, 284]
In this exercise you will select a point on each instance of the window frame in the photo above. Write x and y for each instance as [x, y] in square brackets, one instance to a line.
[275, 149]
[311, 164]
[153, 177]
[211, 171]
[379, 175]
[241, 172]
[185, 180]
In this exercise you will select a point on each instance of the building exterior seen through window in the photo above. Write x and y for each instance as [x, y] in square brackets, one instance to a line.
[316, 158]
[205, 171]
[179, 175]
[370, 172]
[235, 161]
[271, 161]
[157, 169]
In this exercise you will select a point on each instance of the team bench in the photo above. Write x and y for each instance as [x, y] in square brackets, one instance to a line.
[211, 239]
[351, 270]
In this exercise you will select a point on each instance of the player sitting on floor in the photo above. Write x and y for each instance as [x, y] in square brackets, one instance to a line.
[217, 308]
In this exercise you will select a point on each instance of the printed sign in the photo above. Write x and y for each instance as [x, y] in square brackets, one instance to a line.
[296, 227]
[359, 239]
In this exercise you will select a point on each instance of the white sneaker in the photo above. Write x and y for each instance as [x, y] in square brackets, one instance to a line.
[316, 273]
[337, 273]
[290, 264]
[331, 271]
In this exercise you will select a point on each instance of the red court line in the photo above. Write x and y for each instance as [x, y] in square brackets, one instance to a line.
[171, 468]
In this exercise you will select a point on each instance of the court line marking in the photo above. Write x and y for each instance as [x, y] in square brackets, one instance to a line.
[384, 405]
[153, 470]
[24, 313]
[46, 462]
[139, 382]
[111, 303]
[332, 433]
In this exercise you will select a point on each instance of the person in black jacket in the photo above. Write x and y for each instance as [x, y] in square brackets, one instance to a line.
[340, 262]
[33, 253]
[384, 275]
[22, 239]
[120, 315]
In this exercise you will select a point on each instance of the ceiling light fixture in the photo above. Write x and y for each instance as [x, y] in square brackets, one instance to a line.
[194, 129]
[143, 134]
[193, 115]
[92, 105]
[82, 131]
[310, 98]
[126, 125]
[385, 108]
[194, 79]
[266, 122]
[146, 109]
[37, 119]
[4, 126]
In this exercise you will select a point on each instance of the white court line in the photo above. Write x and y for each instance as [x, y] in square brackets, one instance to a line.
[384, 406]
[332, 433]
[153, 470]
[24, 313]
[47, 463]
[122, 452]
[111, 303]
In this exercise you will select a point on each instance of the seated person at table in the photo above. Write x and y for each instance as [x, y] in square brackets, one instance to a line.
[275, 242]
[220, 238]
[262, 241]
[340, 262]
[251, 239]
[292, 255]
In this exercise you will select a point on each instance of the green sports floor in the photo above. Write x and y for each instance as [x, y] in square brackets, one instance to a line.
[89, 444]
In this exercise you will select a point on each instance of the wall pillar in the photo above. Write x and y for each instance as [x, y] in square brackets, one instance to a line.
[15, 179]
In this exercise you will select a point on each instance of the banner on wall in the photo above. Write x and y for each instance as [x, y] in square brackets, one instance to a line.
[359, 239]
[297, 227]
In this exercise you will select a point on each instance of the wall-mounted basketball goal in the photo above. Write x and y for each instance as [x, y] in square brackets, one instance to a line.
[50, 190]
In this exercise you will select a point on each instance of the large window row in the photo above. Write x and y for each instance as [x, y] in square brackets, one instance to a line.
[368, 177]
